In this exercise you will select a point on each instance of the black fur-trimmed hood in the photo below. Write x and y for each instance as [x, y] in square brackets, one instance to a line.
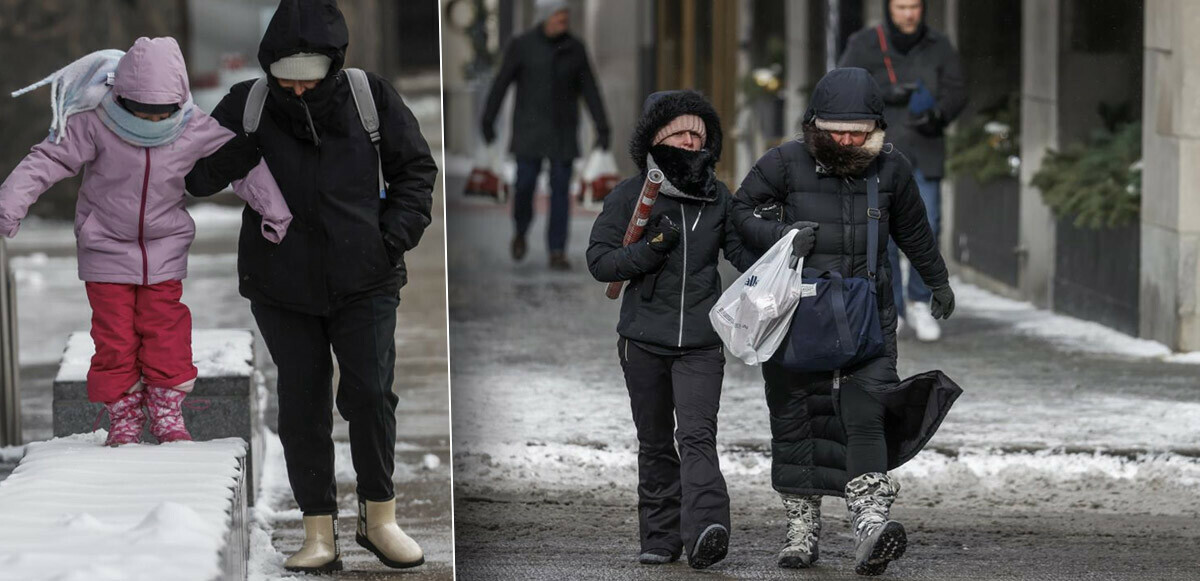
[660, 108]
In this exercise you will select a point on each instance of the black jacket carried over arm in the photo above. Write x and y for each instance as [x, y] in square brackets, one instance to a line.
[934, 62]
[345, 241]
[551, 75]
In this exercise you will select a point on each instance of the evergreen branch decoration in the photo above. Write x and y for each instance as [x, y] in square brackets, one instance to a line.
[1099, 183]
[988, 147]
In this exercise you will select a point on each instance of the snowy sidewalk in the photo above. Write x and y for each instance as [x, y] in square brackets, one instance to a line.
[52, 304]
[1061, 421]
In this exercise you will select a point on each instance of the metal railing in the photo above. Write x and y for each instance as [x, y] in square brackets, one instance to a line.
[10, 396]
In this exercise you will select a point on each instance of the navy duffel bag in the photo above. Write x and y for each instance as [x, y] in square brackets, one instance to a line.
[836, 323]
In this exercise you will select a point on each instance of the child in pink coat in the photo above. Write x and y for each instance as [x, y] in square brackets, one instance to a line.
[135, 146]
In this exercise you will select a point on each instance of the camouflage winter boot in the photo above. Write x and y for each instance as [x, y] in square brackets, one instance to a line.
[879, 540]
[804, 529]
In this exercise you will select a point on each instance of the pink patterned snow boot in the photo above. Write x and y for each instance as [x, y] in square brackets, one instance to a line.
[166, 419]
[126, 419]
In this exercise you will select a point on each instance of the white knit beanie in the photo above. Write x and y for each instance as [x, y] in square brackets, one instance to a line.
[546, 8]
[303, 66]
[855, 125]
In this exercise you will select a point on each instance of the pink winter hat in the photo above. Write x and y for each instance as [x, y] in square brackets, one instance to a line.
[153, 72]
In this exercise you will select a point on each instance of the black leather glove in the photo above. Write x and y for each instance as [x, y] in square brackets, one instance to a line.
[662, 234]
[489, 133]
[929, 123]
[805, 239]
[602, 141]
[942, 304]
[897, 93]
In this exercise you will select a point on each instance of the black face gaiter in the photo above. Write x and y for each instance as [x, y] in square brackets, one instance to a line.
[692, 172]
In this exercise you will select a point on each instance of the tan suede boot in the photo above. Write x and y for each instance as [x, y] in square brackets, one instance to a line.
[379, 533]
[319, 554]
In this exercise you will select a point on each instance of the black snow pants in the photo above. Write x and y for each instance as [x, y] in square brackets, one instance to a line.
[675, 398]
[362, 337]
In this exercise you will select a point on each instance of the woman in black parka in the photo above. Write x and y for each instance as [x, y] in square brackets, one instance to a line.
[837, 433]
[334, 284]
[672, 358]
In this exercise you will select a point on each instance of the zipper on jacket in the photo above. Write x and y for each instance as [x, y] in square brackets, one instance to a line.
[698, 214]
[142, 223]
[311, 128]
[683, 284]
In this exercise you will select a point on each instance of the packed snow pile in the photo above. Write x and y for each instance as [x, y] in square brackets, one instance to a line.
[216, 353]
[74, 509]
[1067, 332]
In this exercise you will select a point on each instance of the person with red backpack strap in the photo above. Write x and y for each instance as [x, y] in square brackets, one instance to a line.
[923, 91]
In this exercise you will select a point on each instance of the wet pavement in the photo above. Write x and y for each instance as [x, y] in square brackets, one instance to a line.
[1055, 464]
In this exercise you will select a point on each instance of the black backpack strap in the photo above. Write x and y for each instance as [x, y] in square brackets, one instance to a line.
[873, 216]
[364, 101]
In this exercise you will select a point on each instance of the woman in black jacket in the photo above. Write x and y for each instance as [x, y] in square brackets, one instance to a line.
[828, 429]
[334, 283]
[672, 358]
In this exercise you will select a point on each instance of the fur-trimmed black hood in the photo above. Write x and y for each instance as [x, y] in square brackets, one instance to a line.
[660, 108]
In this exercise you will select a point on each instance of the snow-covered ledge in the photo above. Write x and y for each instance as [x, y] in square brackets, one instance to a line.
[75, 509]
[227, 401]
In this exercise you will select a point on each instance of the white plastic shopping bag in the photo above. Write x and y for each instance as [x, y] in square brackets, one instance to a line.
[753, 314]
[599, 176]
[487, 177]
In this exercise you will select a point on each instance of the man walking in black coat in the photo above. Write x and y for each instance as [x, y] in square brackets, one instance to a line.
[551, 71]
[335, 280]
[672, 358]
[924, 90]
[829, 433]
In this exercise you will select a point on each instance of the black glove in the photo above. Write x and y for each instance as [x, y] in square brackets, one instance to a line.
[929, 123]
[897, 94]
[489, 133]
[805, 239]
[395, 250]
[602, 141]
[662, 234]
[942, 304]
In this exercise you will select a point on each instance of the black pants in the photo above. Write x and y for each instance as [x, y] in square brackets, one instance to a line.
[362, 337]
[675, 398]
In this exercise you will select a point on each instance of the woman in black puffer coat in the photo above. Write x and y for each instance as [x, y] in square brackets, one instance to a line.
[672, 358]
[838, 433]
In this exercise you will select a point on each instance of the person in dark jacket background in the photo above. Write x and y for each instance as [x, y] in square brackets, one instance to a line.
[923, 90]
[550, 68]
[828, 428]
[672, 358]
[335, 280]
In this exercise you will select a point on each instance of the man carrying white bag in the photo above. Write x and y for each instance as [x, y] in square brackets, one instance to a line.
[753, 317]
